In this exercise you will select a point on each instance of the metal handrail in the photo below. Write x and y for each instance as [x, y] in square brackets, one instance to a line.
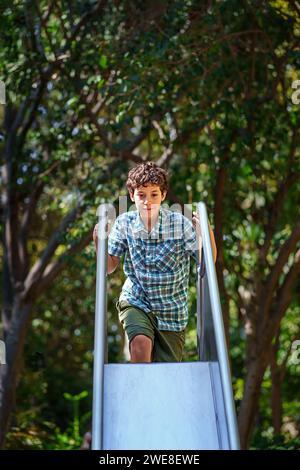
[218, 325]
[100, 333]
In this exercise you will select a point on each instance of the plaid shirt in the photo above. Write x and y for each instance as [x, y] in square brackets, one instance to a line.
[156, 264]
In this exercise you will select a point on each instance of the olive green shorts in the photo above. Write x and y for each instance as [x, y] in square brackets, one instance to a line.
[167, 345]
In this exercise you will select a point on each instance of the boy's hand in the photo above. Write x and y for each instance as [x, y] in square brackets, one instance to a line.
[107, 231]
[196, 223]
[95, 234]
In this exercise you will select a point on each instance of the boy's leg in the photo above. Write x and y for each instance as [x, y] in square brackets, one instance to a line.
[139, 330]
[168, 345]
[140, 348]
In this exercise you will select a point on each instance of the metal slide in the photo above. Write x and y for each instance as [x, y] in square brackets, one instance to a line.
[163, 406]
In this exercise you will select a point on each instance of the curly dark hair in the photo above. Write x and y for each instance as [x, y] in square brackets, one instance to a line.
[147, 172]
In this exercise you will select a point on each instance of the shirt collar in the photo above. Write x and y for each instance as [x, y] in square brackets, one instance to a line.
[140, 227]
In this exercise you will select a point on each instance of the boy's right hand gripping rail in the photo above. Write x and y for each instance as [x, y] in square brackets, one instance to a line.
[210, 327]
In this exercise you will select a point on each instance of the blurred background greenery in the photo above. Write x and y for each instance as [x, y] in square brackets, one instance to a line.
[204, 89]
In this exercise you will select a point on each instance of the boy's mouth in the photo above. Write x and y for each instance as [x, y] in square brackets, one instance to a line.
[152, 209]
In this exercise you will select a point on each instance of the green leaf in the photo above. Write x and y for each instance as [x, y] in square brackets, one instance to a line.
[103, 61]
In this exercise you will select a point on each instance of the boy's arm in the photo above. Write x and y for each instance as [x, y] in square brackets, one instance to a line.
[112, 261]
[213, 242]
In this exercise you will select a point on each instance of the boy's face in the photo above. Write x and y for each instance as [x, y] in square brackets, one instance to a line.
[148, 199]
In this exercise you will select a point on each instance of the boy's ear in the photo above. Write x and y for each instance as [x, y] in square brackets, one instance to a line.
[131, 196]
[163, 196]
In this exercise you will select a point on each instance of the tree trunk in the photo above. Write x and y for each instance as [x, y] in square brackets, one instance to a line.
[276, 400]
[250, 401]
[9, 372]
[278, 371]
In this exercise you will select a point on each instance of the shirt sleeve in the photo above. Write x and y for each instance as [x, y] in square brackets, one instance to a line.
[117, 240]
[190, 238]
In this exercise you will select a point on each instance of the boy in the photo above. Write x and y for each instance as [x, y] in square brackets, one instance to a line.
[157, 244]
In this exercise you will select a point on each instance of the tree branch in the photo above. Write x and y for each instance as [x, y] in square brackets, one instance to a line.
[275, 208]
[23, 232]
[270, 326]
[35, 101]
[38, 268]
[54, 268]
[46, 74]
[272, 280]
[85, 18]
[46, 15]
[35, 31]
[218, 218]
[284, 294]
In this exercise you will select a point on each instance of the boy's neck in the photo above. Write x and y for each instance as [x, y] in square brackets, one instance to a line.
[149, 221]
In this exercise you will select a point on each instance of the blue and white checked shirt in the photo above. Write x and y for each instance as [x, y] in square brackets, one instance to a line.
[156, 264]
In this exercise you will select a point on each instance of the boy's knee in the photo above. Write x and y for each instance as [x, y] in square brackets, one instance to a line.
[141, 342]
[141, 345]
